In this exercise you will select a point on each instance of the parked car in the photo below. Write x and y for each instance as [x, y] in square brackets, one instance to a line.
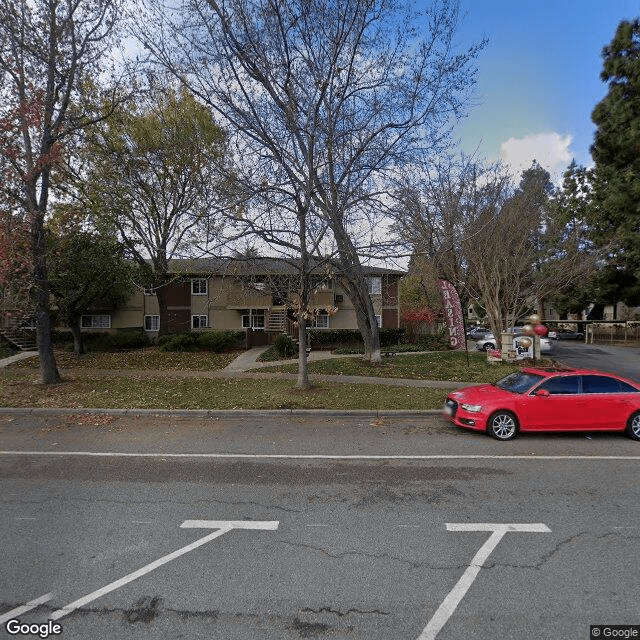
[566, 334]
[489, 342]
[476, 333]
[548, 400]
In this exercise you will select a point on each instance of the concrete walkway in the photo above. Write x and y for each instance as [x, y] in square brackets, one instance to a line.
[249, 359]
[246, 360]
[246, 366]
[23, 355]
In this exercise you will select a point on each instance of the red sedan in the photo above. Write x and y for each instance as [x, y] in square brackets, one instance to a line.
[548, 400]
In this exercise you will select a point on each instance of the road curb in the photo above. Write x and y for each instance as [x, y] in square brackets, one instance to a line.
[211, 413]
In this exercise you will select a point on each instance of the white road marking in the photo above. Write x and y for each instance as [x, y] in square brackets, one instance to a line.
[18, 611]
[223, 526]
[449, 604]
[268, 525]
[319, 456]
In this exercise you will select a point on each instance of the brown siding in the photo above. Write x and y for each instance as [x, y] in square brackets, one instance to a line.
[178, 294]
[179, 306]
[390, 318]
[179, 320]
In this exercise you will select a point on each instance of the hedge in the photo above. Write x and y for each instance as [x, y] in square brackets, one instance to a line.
[351, 337]
[216, 341]
[121, 341]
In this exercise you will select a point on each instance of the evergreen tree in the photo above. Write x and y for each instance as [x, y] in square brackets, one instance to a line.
[616, 152]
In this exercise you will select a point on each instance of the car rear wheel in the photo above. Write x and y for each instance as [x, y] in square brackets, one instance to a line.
[503, 425]
[488, 346]
[633, 426]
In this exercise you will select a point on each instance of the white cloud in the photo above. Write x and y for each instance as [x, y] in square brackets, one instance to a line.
[551, 150]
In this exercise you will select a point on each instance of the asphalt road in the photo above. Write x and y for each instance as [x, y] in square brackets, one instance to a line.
[335, 546]
[624, 361]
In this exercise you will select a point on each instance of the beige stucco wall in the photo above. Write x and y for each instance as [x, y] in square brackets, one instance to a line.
[132, 313]
[223, 292]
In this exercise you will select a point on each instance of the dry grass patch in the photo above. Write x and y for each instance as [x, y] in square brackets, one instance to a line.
[131, 392]
[151, 359]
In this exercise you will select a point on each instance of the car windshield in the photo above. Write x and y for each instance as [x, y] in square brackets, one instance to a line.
[518, 382]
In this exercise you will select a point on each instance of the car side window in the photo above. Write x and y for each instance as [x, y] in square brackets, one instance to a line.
[562, 385]
[600, 384]
[627, 388]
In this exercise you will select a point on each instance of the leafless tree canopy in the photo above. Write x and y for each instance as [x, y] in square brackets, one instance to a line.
[507, 247]
[328, 98]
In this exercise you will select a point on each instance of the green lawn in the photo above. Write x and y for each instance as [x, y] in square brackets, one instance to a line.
[158, 389]
[443, 365]
[22, 389]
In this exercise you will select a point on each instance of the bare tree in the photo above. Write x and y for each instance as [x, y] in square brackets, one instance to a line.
[280, 217]
[50, 53]
[337, 95]
[505, 247]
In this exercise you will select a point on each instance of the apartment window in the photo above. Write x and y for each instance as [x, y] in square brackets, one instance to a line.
[199, 286]
[151, 323]
[321, 321]
[96, 322]
[253, 321]
[375, 285]
[199, 322]
[379, 321]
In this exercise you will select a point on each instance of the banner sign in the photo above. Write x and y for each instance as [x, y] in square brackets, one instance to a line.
[453, 314]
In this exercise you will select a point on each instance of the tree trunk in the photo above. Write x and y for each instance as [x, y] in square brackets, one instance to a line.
[365, 316]
[48, 368]
[162, 306]
[78, 342]
[355, 282]
[303, 369]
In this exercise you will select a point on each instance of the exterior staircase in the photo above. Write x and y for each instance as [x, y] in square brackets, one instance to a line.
[19, 336]
[277, 322]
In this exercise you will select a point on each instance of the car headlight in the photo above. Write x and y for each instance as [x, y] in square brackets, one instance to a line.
[473, 408]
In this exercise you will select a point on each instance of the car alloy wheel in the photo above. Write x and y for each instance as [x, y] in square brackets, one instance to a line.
[633, 426]
[489, 346]
[503, 425]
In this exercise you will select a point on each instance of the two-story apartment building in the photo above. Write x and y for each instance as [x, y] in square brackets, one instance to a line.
[256, 293]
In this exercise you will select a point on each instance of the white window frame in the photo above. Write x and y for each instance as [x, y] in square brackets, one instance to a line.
[153, 320]
[95, 321]
[375, 285]
[196, 283]
[317, 325]
[378, 320]
[252, 320]
[201, 320]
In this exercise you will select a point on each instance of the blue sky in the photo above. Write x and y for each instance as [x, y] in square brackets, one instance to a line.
[539, 77]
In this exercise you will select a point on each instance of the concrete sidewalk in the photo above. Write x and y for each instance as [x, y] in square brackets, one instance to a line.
[23, 355]
[249, 359]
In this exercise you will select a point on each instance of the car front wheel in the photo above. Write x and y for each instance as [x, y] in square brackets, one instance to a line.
[503, 425]
[489, 346]
[633, 426]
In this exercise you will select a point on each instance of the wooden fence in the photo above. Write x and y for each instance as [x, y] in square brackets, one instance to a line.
[610, 333]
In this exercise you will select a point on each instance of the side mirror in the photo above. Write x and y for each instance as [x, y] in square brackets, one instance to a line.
[543, 393]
